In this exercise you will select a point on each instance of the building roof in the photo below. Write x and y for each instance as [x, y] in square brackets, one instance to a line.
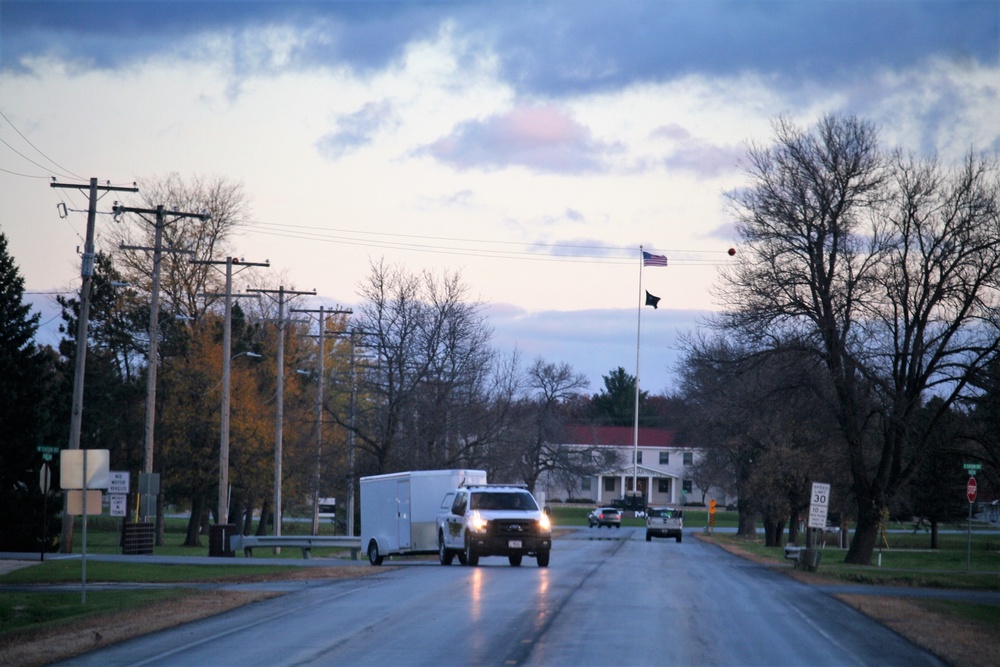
[617, 436]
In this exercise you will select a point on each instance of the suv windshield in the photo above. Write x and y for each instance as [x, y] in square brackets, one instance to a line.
[492, 500]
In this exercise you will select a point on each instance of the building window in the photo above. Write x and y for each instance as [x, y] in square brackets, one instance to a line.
[688, 458]
[663, 485]
[664, 458]
[686, 486]
[586, 483]
[638, 457]
[609, 483]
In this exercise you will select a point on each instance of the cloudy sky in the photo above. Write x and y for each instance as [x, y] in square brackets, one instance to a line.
[530, 146]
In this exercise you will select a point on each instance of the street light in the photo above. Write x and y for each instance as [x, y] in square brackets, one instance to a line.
[223, 511]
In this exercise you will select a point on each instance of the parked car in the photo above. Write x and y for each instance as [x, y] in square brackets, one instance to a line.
[664, 522]
[605, 516]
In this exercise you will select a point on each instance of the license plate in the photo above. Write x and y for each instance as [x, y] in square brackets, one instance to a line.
[514, 544]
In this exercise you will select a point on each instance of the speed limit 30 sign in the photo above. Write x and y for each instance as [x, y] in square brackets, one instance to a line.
[819, 505]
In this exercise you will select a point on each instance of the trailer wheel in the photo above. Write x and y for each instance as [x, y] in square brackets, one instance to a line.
[444, 555]
[374, 557]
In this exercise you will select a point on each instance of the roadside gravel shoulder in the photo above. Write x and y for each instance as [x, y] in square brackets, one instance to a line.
[958, 642]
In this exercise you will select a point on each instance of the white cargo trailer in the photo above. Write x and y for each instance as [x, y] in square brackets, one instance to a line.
[399, 510]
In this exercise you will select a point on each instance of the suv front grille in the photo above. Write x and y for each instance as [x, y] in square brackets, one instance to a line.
[512, 528]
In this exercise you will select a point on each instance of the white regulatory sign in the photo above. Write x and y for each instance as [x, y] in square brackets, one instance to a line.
[820, 494]
[116, 504]
[118, 484]
[817, 516]
[819, 504]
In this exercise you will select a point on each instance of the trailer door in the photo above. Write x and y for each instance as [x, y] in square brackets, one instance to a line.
[403, 514]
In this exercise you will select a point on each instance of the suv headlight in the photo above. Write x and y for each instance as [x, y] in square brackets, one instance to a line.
[477, 523]
[544, 523]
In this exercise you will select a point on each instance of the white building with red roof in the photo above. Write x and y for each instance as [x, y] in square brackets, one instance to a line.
[661, 470]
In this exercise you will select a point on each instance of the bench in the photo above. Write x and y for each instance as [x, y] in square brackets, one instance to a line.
[305, 542]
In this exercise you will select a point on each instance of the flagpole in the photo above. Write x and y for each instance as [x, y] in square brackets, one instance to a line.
[635, 422]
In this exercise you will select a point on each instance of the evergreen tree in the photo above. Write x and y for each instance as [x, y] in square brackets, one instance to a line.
[615, 404]
[28, 374]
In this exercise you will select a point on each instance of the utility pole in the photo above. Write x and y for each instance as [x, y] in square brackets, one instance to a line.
[222, 517]
[82, 326]
[322, 335]
[153, 360]
[280, 399]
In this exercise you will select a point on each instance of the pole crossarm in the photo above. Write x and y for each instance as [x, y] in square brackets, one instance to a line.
[177, 251]
[86, 186]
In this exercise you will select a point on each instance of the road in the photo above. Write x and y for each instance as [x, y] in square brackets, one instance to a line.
[608, 597]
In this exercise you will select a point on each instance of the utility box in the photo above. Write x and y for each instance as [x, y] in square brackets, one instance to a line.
[399, 510]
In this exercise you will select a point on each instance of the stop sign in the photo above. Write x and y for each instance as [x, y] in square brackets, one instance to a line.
[970, 489]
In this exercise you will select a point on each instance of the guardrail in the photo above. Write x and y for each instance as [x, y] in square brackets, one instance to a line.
[305, 542]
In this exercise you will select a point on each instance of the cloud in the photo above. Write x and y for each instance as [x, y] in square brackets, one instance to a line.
[554, 49]
[700, 156]
[596, 341]
[541, 138]
[357, 130]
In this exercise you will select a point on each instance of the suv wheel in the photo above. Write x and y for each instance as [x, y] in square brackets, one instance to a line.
[444, 555]
[471, 557]
[543, 559]
[515, 560]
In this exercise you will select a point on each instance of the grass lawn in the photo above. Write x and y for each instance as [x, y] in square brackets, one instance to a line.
[39, 610]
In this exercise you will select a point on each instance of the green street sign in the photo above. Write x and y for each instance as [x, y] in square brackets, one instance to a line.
[973, 466]
[48, 449]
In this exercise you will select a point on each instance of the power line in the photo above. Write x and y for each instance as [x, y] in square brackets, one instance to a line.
[37, 150]
[338, 236]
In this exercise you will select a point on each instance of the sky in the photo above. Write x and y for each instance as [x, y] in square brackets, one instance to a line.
[530, 147]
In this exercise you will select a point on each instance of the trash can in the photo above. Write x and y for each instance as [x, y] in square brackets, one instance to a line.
[809, 559]
[218, 540]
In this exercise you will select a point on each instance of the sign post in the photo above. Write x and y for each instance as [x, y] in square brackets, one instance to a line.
[78, 472]
[970, 493]
[45, 482]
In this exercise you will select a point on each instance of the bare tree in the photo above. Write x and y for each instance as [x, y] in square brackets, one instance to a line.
[427, 385]
[542, 449]
[887, 268]
[226, 203]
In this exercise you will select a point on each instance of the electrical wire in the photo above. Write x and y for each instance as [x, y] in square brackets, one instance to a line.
[14, 173]
[37, 150]
[570, 253]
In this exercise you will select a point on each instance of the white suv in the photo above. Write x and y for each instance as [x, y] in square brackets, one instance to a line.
[493, 520]
[664, 522]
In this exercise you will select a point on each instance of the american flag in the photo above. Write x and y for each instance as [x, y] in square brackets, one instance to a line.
[649, 259]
